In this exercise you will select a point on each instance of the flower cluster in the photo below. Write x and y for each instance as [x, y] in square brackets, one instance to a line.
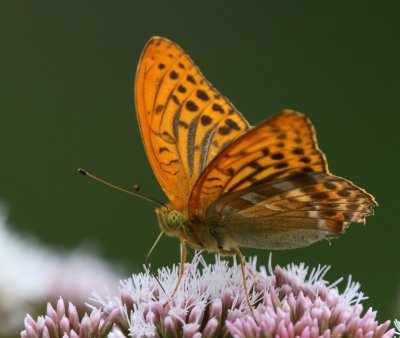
[50, 272]
[66, 322]
[288, 302]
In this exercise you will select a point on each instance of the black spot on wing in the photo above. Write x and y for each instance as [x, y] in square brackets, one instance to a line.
[265, 151]
[159, 108]
[202, 95]
[330, 185]
[255, 165]
[224, 130]
[206, 120]
[182, 89]
[352, 206]
[191, 79]
[305, 159]
[281, 165]
[344, 193]
[307, 169]
[319, 196]
[217, 107]
[232, 124]
[329, 213]
[298, 151]
[175, 99]
[183, 124]
[173, 75]
[191, 106]
[332, 205]
[163, 149]
[277, 156]
[228, 127]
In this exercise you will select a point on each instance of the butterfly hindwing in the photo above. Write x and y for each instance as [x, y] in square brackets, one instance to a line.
[282, 145]
[306, 206]
[275, 180]
[184, 121]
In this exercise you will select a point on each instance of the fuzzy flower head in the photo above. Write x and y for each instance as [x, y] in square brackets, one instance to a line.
[211, 302]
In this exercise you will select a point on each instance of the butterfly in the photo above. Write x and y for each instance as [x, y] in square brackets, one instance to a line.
[231, 185]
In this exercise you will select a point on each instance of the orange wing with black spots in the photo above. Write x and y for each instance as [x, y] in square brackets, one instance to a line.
[275, 177]
[282, 145]
[184, 121]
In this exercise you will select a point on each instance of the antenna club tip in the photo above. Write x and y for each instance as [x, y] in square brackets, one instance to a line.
[82, 171]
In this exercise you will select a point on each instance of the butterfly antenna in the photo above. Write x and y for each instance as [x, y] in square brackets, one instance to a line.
[147, 261]
[140, 195]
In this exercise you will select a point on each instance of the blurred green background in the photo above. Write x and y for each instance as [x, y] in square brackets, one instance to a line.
[66, 101]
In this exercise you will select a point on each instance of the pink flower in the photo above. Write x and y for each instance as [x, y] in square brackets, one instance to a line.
[32, 273]
[62, 322]
[288, 302]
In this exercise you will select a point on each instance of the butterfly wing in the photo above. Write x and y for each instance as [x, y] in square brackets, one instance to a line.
[271, 188]
[184, 121]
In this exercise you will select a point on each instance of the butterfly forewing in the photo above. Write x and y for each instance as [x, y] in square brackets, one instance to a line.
[184, 121]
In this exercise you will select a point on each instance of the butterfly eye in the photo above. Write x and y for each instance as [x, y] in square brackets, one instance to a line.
[174, 219]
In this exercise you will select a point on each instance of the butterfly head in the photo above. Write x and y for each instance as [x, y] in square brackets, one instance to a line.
[174, 219]
[171, 221]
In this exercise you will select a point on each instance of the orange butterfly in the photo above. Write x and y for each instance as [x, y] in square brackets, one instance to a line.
[231, 185]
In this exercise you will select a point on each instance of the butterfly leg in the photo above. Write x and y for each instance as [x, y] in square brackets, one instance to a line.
[234, 253]
[243, 267]
[182, 268]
